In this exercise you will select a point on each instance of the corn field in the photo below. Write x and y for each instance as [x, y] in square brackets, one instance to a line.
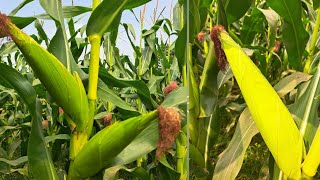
[159, 89]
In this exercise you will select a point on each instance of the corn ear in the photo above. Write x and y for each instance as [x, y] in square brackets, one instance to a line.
[271, 116]
[66, 90]
[107, 144]
[312, 161]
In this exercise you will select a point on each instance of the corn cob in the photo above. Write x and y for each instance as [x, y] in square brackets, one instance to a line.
[107, 144]
[271, 116]
[66, 90]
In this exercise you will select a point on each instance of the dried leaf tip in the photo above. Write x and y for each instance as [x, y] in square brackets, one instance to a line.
[220, 55]
[169, 128]
[170, 87]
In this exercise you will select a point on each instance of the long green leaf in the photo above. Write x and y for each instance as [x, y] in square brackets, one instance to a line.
[68, 12]
[103, 16]
[208, 85]
[20, 6]
[54, 9]
[294, 34]
[39, 157]
[107, 12]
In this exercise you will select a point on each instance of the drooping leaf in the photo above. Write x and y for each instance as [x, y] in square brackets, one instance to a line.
[20, 6]
[288, 83]
[103, 16]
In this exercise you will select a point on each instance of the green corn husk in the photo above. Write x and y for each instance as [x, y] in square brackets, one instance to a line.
[107, 144]
[312, 160]
[65, 89]
[271, 116]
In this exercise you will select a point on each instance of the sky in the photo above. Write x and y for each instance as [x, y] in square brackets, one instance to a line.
[34, 8]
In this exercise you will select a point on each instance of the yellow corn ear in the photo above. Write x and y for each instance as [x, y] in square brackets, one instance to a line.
[271, 116]
[100, 150]
[312, 161]
[65, 89]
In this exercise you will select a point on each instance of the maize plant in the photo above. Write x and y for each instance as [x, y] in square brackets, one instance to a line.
[72, 107]
[254, 90]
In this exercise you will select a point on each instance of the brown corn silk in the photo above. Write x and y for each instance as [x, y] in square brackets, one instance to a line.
[170, 87]
[169, 127]
[220, 55]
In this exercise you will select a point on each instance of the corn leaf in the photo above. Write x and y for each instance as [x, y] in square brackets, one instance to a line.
[305, 109]
[67, 11]
[230, 161]
[208, 85]
[234, 10]
[20, 6]
[294, 34]
[39, 157]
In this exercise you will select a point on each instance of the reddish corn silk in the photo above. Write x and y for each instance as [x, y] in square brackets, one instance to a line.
[200, 36]
[220, 55]
[169, 128]
[170, 87]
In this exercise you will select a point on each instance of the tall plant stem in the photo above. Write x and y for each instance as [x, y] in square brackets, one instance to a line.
[313, 43]
[180, 143]
[78, 139]
[95, 41]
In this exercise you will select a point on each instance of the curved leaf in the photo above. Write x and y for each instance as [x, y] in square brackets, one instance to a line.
[103, 16]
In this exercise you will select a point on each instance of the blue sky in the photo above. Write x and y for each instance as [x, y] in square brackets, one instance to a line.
[34, 8]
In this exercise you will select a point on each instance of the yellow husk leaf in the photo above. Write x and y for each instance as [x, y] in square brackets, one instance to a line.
[271, 116]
